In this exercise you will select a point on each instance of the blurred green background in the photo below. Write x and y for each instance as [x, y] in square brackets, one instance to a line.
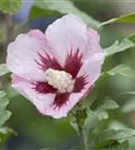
[35, 131]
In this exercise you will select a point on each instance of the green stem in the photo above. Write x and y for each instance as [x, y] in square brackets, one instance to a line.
[84, 139]
[82, 132]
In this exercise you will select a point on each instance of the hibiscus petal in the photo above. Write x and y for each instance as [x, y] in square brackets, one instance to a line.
[80, 84]
[73, 63]
[43, 87]
[71, 33]
[45, 103]
[93, 45]
[66, 34]
[59, 112]
[24, 87]
[23, 55]
[91, 69]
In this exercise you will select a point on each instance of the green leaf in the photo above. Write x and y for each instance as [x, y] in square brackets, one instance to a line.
[106, 105]
[55, 8]
[122, 146]
[128, 18]
[129, 106]
[48, 148]
[41, 12]
[128, 93]
[4, 114]
[5, 132]
[73, 123]
[116, 125]
[1, 36]
[10, 6]
[91, 121]
[132, 37]
[120, 135]
[76, 148]
[123, 70]
[119, 46]
[108, 136]
[3, 69]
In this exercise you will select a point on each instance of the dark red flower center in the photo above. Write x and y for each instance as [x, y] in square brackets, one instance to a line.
[72, 66]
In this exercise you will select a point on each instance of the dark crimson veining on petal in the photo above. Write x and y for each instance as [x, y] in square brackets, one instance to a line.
[73, 63]
[43, 87]
[61, 99]
[47, 61]
[79, 84]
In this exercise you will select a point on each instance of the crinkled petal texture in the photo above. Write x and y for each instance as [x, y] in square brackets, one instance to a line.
[67, 45]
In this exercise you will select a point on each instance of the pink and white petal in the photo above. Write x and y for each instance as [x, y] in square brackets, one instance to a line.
[60, 112]
[91, 69]
[66, 34]
[93, 45]
[41, 101]
[23, 55]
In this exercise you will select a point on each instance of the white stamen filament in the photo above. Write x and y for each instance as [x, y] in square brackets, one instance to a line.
[60, 80]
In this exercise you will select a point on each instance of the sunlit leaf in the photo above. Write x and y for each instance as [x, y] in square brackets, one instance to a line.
[116, 125]
[91, 121]
[55, 8]
[129, 106]
[132, 37]
[119, 46]
[107, 105]
[123, 70]
[120, 135]
[74, 124]
[10, 6]
[4, 114]
[3, 69]
[128, 18]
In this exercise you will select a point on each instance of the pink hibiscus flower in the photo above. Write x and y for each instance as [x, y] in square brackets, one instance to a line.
[56, 69]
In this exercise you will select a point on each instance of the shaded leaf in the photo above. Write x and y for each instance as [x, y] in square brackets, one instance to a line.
[121, 146]
[10, 6]
[5, 132]
[49, 148]
[109, 136]
[76, 148]
[55, 7]
[128, 18]
[3, 69]
[42, 12]
[1, 36]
